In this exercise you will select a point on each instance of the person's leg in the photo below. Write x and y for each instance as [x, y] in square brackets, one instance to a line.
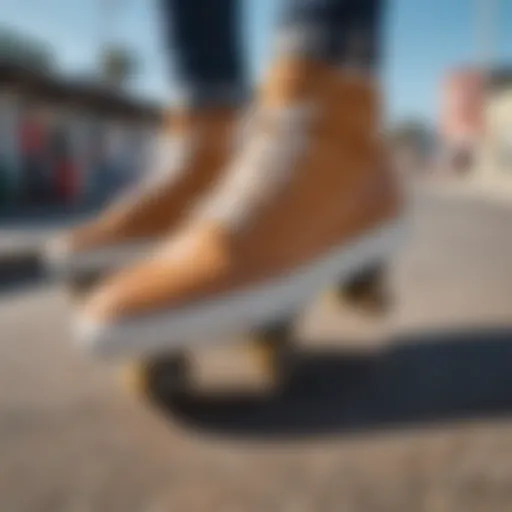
[204, 38]
[344, 32]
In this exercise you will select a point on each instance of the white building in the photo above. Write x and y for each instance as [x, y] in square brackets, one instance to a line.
[495, 162]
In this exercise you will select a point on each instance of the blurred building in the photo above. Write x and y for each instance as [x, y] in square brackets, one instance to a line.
[495, 160]
[413, 145]
[476, 122]
[67, 142]
[462, 118]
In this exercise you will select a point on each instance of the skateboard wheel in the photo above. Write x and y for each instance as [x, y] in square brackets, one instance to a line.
[367, 291]
[157, 379]
[276, 350]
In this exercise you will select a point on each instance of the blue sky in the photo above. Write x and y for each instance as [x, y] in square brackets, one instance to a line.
[425, 38]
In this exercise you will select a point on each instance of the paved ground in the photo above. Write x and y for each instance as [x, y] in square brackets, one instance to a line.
[418, 422]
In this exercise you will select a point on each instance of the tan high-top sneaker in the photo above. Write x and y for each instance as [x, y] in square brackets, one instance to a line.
[192, 149]
[306, 203]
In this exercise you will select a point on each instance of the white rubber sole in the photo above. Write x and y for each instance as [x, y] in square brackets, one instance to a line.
[213, 320]
[64, 264]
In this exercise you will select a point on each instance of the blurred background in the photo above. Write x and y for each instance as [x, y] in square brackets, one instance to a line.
[407, 413]
[82, 88]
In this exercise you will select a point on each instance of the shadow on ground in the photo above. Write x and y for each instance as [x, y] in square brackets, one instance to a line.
[418, 380]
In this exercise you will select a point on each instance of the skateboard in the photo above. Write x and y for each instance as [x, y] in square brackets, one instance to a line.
[271, 350]
[168, 376]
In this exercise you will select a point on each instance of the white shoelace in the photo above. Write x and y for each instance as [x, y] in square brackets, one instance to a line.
[168, 159]
[271, 144]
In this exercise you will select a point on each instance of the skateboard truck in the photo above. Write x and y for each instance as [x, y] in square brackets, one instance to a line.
[367, 292]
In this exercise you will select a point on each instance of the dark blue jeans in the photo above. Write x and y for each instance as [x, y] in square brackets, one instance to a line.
[345, 32]
[205, 38]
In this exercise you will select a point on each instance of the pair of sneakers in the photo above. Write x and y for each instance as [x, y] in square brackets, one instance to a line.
[225, 237]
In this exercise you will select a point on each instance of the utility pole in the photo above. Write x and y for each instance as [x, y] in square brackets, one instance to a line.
[108, 12]
[487, 13]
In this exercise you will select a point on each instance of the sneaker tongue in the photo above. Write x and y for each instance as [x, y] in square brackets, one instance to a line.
[266, 161]
[292, 81]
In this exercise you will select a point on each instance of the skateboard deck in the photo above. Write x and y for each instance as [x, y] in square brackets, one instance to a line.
[262, 361]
